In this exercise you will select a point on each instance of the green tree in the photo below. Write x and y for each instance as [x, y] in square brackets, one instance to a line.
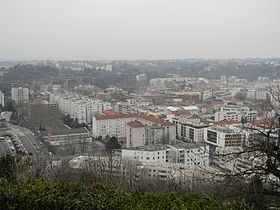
[112, 144]
[8, 168]
[9, 106]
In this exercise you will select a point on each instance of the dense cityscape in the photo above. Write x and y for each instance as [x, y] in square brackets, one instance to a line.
[157, 126]
[139, 105]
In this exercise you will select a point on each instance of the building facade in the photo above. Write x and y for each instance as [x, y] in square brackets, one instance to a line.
[20, 95]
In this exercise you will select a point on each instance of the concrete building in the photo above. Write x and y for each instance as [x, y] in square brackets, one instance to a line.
[148, 170]
[135, 134]
[142, 79]
[20, 95]
[156, 130]
[189, 130]
[217, 136]
[2, 99]
[70, 136]
[251, 94]
[262, 93]
[235, 113]
[187, 154]
[78, 106]
[228, 162]
[228, 116]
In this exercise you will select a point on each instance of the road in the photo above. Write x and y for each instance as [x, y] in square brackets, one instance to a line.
[27, 139]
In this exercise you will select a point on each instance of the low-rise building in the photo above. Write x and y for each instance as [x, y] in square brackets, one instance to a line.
[184, 153]
[69, 136]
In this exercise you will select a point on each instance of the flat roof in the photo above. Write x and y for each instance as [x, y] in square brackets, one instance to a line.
[64, 132]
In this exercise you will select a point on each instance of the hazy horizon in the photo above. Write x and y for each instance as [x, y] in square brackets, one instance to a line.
[139, 29]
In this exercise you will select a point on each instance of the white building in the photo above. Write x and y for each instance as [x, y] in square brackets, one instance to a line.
[181, 173]
[262, 94]
[156, 130]
[227, 161]
[78, 106]
[20, 95]
[135, 134]
[2, 101]
[187, 153]
[190, 130]
[217, 136]
[235, 113]
[251, 94]
[231, 115]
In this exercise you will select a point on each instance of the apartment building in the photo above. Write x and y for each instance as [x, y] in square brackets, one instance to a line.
[187, 154]
[228, 162]
[164, 171]
[188, 128]
[235, 113]
[79, 107]
[2, 100]
[134, 128]
[20, 95]
[217, 136]
[228, 116]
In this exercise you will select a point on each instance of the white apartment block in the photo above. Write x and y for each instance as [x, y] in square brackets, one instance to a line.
[235, 113]
[188, 129]
[231, 115]
[135, 134]
[217, 136]
[178, 172]
[130, 127]
[187, 154]
[251, 94]
[79, 107]
[2, 100]
[20, 95]
[153, 153]
[161, 82]
[190, 132]
[262, 93]
[227, 161]
[112, 125]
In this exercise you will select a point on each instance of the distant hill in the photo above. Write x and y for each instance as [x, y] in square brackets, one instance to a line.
[29, 72]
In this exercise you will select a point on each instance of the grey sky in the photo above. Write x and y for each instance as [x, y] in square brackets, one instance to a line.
[138, 29]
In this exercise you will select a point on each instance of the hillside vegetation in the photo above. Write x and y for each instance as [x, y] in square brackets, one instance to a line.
[41, 193]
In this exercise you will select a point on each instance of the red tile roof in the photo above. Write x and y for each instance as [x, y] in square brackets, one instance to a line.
[228, 98]
[150, 118]
[223, 122]
[143, 116]
[109, 112]
[263, 123]
[115, 116]
[135, 124]
[182, 112]
[204, 106]
[185, 103]
[264, 89]
[218, 102]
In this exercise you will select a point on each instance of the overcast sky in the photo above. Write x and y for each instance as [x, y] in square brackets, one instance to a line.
[138, 29]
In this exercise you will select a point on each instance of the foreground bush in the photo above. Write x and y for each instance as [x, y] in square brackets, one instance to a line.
[46, 194]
